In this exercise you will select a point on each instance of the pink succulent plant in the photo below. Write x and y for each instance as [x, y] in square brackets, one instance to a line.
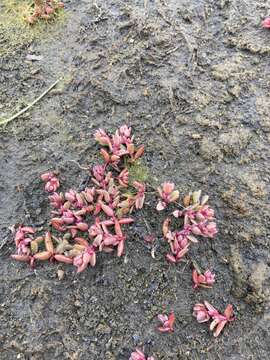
[205, 229]
[23, 239]
[201, 313]
[139, 355]
[125, 132]
[92, 220]
[22, 231]
[219, 320]
[106, 199]
[167, 194]
[198, 219]
[52, 183]
[118, 145]
[87, 257]
[102, 138]
[150, 238]
[123, 178]
[266, 23]
[203, 280]
[167, 322]
[99, 174]
[205, 312]
[140, 196]
[56, 200]
[44, 9]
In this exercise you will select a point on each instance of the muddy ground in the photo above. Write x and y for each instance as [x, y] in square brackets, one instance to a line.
[192, 78]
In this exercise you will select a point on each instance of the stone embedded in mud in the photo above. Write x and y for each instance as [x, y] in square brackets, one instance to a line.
[209, 150]
[60, 274]
[263, 109]
[234, 140]
[259, 292]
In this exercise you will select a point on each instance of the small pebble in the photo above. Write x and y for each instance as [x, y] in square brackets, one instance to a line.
[60, 274]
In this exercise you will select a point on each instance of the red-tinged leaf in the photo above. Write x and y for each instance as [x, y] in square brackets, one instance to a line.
[108, 211]
[105, 155]
[162, 318]
[117, 228]
[115, 158]
[24, 258]
[126, 221]
[201, 278]
[82, 226]
[120, 248]
[63, 259]
[139, 152]
[107, 197]
[89, 209]
[107, 223]
[47, 176]
[171, 320]
[171, 258]
[28, 229]
[210, 308]
[98, 241]
[229, 311]
[82, 268]
[165, 227]
[57, 224]
[73, 232]
[195, 278]
[81, 241]
[177, 213]
[182, 253]
[150, 238]
[130, 149]
[42, 256]
[80, 212]
[266, 23]
[48, 242]
[93, 260]
[219, 328]
[139, 202]
[68, 220]
[97, 209]
[164, 329]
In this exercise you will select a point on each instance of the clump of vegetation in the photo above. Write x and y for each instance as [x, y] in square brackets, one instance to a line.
[44, 9]
[87, 222]
[15, 31]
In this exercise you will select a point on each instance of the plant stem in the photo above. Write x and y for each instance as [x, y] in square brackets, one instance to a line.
[6, 121]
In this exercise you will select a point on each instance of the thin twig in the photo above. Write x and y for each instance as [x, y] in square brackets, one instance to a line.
[172, 50]
[6, 121]
[4, 242]
[79, 165]
[147, 225]
[195, 265]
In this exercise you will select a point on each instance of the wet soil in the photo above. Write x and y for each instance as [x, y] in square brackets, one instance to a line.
[192, 78]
